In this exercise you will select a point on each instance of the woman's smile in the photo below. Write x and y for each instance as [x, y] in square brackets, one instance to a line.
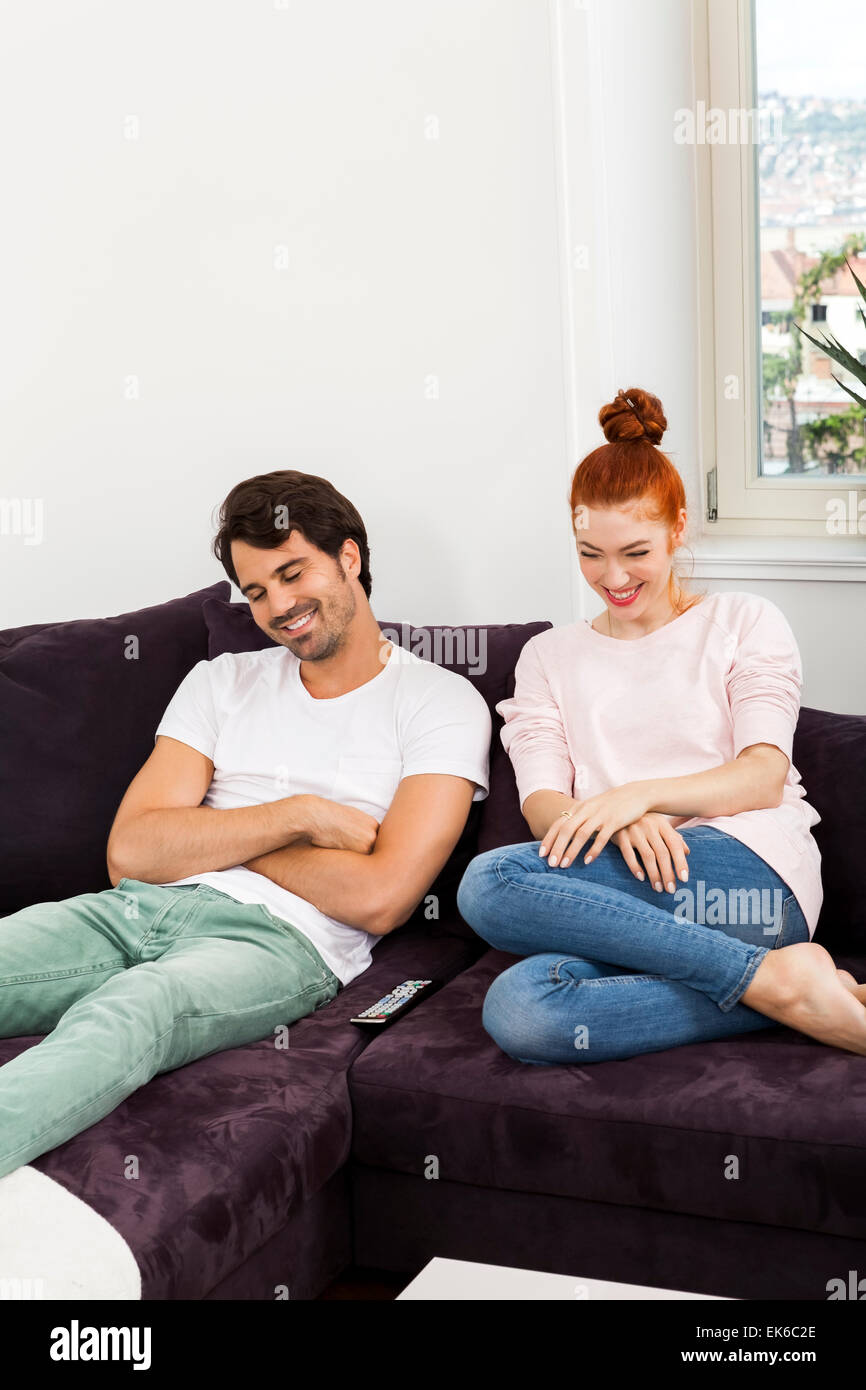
[623, 597]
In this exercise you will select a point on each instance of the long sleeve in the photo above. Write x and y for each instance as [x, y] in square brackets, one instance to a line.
[533, 735]
[764, 681]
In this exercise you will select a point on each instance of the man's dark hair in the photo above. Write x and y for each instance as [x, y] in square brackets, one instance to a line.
[311, 505]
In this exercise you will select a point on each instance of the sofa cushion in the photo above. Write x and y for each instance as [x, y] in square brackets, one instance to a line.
[659, 1130]
[79, 704]
[12, 635]
[232, 628]
[830, 756]
[232, 1145]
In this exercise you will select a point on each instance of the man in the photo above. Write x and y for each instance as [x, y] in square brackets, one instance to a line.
[297, 805]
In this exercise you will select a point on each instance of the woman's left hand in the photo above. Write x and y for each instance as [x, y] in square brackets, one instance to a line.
[601, 816]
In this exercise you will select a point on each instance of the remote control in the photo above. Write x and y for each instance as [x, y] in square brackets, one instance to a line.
[393, 1005]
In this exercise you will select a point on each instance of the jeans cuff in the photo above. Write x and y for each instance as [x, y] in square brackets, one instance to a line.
[739, 990]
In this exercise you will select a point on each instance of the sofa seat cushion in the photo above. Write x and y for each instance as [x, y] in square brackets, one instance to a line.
[768, 1127]
[227, 1147]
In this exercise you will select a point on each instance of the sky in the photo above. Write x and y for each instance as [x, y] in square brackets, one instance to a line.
[812, 47]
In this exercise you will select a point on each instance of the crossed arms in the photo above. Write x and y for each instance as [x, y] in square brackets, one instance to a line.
[635, 815]
[753, 780]
[365, 874]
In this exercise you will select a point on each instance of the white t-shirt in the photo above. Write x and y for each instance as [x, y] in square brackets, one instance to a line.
[252, 715]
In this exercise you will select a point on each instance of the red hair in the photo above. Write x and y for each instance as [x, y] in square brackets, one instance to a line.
[630, 467]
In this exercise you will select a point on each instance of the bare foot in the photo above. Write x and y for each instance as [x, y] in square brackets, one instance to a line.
[850, 983]
[800, 986]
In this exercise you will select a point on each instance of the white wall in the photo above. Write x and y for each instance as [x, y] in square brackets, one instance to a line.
[408, 259]
[412, 266]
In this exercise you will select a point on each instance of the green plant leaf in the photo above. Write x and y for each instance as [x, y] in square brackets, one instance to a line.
[834, 349]
[824, 346]
[859, 283]
[861, 400]
[848, 360]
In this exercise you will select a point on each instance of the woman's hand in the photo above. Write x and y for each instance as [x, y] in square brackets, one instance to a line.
[601, 816]
[662, 849]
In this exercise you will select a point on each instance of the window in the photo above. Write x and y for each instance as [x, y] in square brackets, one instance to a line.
[780, 142]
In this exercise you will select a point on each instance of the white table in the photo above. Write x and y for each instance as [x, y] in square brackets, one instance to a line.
[463, 1279]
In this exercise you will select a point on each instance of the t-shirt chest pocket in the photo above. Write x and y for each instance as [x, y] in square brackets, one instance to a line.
[367, 783]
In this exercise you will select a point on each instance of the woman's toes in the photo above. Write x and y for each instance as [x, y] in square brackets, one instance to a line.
[800, 986]
[857, 989]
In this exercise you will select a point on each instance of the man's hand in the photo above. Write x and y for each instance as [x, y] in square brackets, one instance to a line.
[661, 847]
[379, 890]
[327, 825]
[334, 826]
[601, 816]
[162, 830]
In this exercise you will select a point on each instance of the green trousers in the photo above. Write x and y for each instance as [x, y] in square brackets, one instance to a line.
[131, 982]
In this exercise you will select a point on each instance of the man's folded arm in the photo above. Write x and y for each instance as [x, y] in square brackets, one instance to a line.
[161, 832]
[379, 891]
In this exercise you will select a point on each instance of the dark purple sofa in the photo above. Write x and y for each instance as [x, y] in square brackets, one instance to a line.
[265, 1172]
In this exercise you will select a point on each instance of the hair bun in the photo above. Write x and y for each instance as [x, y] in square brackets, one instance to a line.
[633, 415]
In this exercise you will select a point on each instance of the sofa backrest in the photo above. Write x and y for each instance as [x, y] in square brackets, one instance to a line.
[79, 705]
[830, 756]
[80, 702]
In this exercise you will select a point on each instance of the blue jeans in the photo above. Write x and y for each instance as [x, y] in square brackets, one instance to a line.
[132, 982]
[614, 968]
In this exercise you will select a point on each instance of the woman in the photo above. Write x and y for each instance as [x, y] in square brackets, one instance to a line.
[651, 743]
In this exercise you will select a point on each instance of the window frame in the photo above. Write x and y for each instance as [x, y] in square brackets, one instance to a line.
[729, 307]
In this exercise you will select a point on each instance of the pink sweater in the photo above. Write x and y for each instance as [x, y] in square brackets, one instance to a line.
[591, 712]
